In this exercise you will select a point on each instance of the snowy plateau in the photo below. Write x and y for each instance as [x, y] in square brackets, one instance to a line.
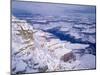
[49, 44]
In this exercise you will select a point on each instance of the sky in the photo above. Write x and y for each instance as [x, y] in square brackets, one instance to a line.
[19, 7]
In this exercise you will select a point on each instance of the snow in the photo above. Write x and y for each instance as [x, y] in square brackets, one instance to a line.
[20, 66]
[76, 46]
[88, 30]
[37, 54]
[54, 38]
[88, 61]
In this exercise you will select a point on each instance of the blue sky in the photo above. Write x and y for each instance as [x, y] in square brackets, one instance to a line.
[19, 7]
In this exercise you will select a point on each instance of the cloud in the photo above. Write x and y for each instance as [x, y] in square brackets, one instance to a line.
[50, 9]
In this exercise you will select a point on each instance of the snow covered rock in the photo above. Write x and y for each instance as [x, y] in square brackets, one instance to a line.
[32, 52]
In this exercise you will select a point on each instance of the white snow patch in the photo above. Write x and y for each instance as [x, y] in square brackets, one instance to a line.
[87, 62]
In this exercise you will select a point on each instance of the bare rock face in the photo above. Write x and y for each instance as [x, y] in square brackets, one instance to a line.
[43, 69]
[68, 56]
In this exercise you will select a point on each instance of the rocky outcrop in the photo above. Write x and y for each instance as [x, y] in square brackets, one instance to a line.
[34, 51]
[67, 57]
